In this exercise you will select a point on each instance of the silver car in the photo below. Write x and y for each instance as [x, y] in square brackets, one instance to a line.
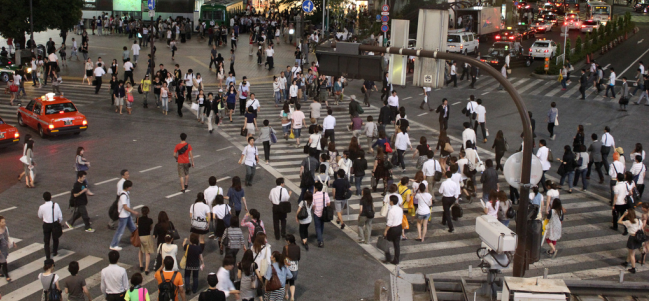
[589, 26]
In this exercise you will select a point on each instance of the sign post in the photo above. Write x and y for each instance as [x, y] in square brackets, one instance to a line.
[385, 13]
[307, 6]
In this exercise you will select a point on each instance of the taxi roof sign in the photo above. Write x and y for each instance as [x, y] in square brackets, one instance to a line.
[49, 96]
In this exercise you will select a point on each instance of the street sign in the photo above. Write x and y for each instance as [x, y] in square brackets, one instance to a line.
[428, 79]
[151, 4]
[308, 6]
[378, 17]
[385, 13]
[514, 168]
[385, 28]
[385, 8]
[385, 19]
[151, 13]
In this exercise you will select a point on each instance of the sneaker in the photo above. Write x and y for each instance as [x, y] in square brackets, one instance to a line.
[117, 248]
[90, 230]
[68, 224]
[321, 245]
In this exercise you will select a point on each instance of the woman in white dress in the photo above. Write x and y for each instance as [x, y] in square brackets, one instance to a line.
[553, 227]
[169, 249]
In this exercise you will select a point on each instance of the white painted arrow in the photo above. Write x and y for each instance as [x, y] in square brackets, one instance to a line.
[640, 41]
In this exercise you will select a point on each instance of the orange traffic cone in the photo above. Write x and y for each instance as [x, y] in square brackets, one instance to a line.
[587, 58]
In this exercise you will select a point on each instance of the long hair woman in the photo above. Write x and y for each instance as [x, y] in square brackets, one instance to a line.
[365, 217]
[278, 266]
[442, 140]
[28, 169]
[249, 276]
[292, 254]
[633, 225]
[237, 196]
[380, 172]
[500, 147]
[80, 162]
[199, 215]
[554, 227]
[307, 202]
[578, 140]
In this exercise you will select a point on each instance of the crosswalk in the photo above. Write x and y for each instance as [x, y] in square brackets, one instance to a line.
[80, 94]
[588, 248]
[537, 87]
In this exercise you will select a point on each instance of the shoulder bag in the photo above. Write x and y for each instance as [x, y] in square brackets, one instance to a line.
[273, 283]
[448, 148]
[284, 206]
[307, 180]
[173, 232]
[437, 175]
[303, 213]
[57, 230]
[327, 213]
[135, 236]
[183, 262]
[53, 293]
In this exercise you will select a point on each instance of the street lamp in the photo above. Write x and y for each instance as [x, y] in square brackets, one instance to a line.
[31, 24]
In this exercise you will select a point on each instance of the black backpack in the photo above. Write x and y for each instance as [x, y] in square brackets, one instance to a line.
[257, 229]
[73, 200]
[52, 293]
[113, 211]
[167, 289]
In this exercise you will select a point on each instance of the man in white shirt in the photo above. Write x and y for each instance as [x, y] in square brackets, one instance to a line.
[269, 57]
[607, 143]
[619, 192]
[481, 118]
[471, 107]
[393, 229]
[468, 135]
[638, 169]
[74, 52]
[542, 154]
[50, 213]
[125, 211]
[279, 195]
[254, 103]
[328, 125]
[128, 71]
[611, 84]
[98, 72]
[453, 75]
[114, 280]
[401, 143]
[429, 168]
[34, 68]
[136, 51]
[295, 70]
[210, 194]
[450, 191]
[124, 174]
[250, 157]
[145, 38]
[393, 103]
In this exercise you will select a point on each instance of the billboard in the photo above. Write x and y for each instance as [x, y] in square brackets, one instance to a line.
[175, 6]
[127, 5]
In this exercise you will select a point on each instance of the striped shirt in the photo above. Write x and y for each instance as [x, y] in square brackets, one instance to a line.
[318, 202]
[236, 237]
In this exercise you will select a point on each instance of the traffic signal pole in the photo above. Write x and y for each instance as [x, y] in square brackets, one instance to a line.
[520, 264]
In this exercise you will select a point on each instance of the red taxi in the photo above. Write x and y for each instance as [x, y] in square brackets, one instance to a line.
[52, 115]
[8, 134]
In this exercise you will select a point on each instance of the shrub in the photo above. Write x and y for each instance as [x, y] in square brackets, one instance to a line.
[578, 46]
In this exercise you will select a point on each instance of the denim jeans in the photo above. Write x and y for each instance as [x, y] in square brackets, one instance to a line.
[303, 190]
[563, 83]
[358, 184]
[583, 174]
[123, 223]
[319, 227]
[165, 104]
[570, 176]
[278, 97]
[250, 173]
[193, 273]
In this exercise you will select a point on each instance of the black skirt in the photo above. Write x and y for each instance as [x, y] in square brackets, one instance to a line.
[220, 228]
[199, 231]
[632, 244]
[88, 73]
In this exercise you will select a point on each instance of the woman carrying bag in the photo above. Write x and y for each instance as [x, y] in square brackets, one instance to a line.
[137, 292]
[249, 277]
[276, 277]
[292, 254]
[199, 214]
[303, 217]
[221, 212]
[192, 262]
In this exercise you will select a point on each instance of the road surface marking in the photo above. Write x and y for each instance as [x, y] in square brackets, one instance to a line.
[10, 208]
[422, 114]
[636, 60]
[32, 266]
[197, 156]
[109, 180]
[459, 102]
[221, 179]
[60, 194]
[177, 193]
[152, 168]
[640, 41]
[218, 150]
[409, 97]
[485, 93]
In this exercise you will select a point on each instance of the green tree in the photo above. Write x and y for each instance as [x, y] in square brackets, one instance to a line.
[620, 24]
[567, 49]
[601, 31]
[48, 14]
[578, 46]
[609, 28]
[588, 45]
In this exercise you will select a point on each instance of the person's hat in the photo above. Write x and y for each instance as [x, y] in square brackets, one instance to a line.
[619, 150]
[352, 97]
[49, 261]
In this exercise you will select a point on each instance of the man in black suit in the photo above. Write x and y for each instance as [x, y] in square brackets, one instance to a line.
[474, 74]
[583, 83]
[444, 112]
[385, 116]
[385, 91]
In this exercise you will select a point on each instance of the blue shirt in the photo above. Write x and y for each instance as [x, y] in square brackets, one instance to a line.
[282, 273]
[232, 98]
[235, 198]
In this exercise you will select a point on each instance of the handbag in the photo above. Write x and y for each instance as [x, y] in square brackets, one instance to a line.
[285, 207]
[24, 160]
[135, 236]
[273, 284]
[437, 175]
[225, 242]
[129, 97]
[183, 262]
[383, 244]
[384, 210]
[327, 213]
[13, 88]
[139, 89]
[303, 213]
[57, 230]
[448, 148]
[195, 106]
[556, 121]
[244, 132]
[273, 137]
[404, 223]
[291, 136]
[388, 148]
[173, 232]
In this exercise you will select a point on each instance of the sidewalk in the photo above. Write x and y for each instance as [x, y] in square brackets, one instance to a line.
[195, 54]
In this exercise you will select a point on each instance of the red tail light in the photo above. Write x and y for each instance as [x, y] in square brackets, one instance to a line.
[497, 37]
[16, 135]
[546, 51]
[530, 49]
[583, 26]
[511, 38]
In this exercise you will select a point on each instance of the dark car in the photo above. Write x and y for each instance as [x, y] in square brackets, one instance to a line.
[497, 53]
[641, 7]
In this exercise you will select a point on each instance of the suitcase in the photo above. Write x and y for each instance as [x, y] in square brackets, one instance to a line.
[456, 212]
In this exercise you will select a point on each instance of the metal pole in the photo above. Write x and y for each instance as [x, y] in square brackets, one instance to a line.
[521, 217]
[565, 37]
[323, 19]
[385, 34]
[31, 24]
[152, 36]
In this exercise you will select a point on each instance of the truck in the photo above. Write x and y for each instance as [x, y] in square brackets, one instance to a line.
[484, 21]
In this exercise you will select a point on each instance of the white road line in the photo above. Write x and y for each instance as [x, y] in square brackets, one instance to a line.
[606, 67]
[36, 285]
[218, 150]
[8, 209]
[636, 60]
[409, 97]
[529, 86]
[459, 102]
[152, 168]
[541, 88]
[553, 92]
[24, 251]
[176, 194]
[197, 156]
[570, 92]
[422, 114]
[221, 179]
[60, 194]
[66, 229]
[109, 180]
[485, 93]
[640, 41]
[137, 207]
[32, 266]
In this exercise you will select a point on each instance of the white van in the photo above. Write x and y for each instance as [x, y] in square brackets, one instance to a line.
[461, 41]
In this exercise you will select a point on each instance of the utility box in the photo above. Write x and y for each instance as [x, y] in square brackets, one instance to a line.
[534, 289]
[398, 63]
[431, 35]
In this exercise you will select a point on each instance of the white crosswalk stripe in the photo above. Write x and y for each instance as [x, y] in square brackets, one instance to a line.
[450, 253]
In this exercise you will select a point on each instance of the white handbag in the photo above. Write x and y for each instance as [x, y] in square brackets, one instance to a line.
[24, 160]
[384, 210]
[195, 107]
[480, 166]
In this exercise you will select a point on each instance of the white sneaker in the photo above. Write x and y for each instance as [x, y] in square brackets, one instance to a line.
[118, 248]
